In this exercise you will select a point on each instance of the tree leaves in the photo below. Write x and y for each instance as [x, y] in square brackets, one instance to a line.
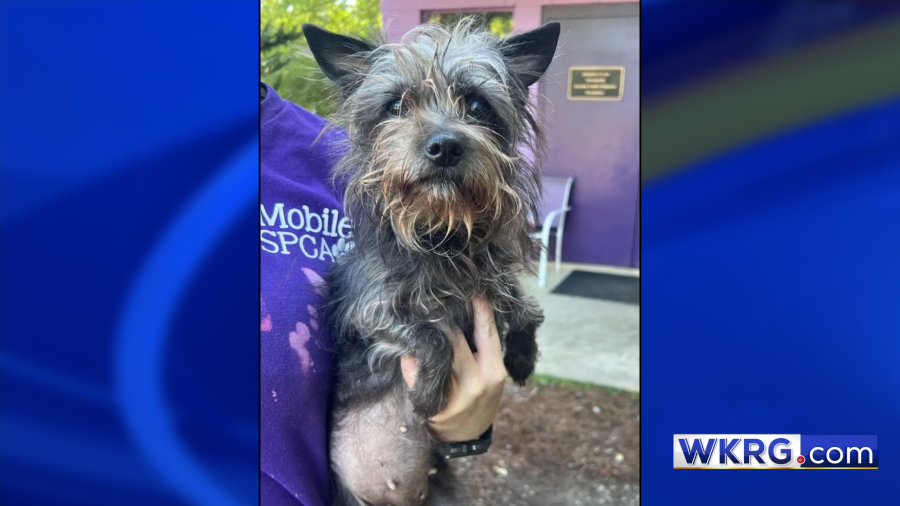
[284, 63]
[283, 55]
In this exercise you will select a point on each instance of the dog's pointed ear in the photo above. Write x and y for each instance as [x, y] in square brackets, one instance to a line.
[335, 53]
[529, 54]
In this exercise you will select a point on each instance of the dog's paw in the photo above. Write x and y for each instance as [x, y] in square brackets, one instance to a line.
[519, 367]
[521, 354]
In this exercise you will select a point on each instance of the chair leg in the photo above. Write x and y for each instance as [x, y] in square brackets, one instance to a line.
[542, 267]
[545, 249]
[558, 250]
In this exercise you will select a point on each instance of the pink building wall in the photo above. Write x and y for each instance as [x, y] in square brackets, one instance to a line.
[402, 15]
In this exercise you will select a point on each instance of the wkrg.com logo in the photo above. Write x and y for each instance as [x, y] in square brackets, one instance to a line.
[775, 451]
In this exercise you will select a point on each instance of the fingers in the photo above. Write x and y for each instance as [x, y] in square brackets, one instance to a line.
[464, 364]
[487, 340]
[476, 396]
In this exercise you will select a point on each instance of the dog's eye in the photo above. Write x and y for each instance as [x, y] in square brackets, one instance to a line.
[478, 109]
[395, 108]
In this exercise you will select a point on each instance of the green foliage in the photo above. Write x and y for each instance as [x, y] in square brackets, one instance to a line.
[285, 63]
[282, 47]
[499, 23]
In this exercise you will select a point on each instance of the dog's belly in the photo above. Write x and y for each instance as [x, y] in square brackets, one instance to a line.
[382, 453]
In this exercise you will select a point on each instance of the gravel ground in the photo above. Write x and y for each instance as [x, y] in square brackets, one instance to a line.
[559, 445]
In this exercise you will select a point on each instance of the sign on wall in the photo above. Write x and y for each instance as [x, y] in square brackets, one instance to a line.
[596, 83]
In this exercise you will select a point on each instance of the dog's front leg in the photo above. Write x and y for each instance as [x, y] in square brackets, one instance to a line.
[521, 352]
[433, 352]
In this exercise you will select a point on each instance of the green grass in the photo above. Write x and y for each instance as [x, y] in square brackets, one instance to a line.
[616, 391]
[548, 380]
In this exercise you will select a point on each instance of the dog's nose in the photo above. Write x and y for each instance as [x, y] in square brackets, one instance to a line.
[444, 150]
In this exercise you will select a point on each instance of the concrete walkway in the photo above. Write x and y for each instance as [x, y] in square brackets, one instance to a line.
[591, 340]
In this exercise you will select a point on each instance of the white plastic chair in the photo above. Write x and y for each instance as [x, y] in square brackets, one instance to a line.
[555, 206]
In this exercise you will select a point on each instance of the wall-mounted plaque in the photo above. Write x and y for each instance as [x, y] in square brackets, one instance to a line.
[596, 83]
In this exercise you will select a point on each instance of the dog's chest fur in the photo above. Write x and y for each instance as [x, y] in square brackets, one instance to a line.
[434, 287]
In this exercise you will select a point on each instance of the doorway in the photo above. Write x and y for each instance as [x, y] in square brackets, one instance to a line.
[596, 139]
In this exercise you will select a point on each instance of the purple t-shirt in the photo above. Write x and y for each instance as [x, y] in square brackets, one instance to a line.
[301, 230]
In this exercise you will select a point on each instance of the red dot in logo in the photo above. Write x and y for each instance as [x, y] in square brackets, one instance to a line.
[800, 459]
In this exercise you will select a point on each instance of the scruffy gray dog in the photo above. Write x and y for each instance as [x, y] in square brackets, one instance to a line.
[439, 194]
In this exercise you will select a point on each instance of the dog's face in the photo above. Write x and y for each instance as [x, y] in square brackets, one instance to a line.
[436, 123]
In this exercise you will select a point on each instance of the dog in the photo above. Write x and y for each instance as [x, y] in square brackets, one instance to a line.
[439, 193]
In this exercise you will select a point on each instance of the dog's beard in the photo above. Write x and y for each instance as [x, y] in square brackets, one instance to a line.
[427, 214]
[430, 211]
[427, 207]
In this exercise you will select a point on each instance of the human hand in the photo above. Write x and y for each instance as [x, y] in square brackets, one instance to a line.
[477, 380]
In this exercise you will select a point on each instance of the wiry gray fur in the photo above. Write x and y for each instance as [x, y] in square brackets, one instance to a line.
[429, 239]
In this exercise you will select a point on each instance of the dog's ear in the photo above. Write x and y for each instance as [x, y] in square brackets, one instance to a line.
[336, 54]
[529, 54]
